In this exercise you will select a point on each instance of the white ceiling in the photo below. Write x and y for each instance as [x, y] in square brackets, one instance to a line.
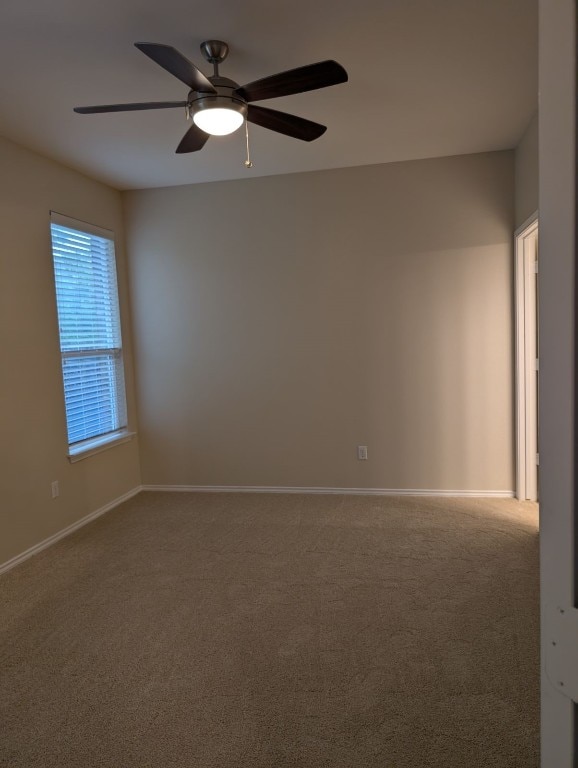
[427, 78]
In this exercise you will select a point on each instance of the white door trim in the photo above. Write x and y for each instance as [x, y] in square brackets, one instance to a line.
[557, 53]
[526, 356]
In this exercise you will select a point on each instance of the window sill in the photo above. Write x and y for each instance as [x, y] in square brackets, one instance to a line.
[99, 444]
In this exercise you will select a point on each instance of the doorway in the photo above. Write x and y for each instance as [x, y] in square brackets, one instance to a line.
[527, 360]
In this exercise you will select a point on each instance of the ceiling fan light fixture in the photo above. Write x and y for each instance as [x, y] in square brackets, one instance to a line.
[218, 121]
[219, 105]
[219, 115]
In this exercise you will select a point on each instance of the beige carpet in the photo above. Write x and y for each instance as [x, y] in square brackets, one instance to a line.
[266, 631]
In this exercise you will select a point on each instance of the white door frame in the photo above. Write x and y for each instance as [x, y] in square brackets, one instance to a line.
[558, 396]
[525, 269]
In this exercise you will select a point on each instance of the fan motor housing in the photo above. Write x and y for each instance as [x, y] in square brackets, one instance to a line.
[224, 97]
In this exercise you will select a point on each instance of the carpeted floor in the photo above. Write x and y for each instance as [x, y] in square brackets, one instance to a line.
[268, 631]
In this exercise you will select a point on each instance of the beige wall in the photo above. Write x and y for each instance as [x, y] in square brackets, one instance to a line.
[526, 173]
[32, 421]
[282, 321]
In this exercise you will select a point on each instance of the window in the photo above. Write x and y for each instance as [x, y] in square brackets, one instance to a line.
[90, 338]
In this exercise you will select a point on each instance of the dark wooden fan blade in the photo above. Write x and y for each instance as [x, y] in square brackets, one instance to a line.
[129, 107]
[290, 125]
[193, 140]
[298, 80]
[175, 63]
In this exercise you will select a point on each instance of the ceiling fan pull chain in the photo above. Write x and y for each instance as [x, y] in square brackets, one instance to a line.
[248, 163]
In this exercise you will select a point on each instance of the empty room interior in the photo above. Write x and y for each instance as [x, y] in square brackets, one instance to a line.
[295, 534]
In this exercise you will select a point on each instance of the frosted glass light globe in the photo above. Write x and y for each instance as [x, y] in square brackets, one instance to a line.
[218, 121]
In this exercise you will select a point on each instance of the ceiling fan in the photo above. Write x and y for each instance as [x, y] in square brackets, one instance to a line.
[218, 105]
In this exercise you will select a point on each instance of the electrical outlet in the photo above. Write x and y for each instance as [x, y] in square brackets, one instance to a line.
[55, 489]
[362, 452]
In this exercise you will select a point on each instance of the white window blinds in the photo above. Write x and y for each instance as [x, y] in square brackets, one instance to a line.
[89, 324]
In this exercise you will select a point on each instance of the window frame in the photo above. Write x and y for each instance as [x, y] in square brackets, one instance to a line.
[89, 446]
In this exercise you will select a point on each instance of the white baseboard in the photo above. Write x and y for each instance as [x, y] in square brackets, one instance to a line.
[343, 491]
[67, 531]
